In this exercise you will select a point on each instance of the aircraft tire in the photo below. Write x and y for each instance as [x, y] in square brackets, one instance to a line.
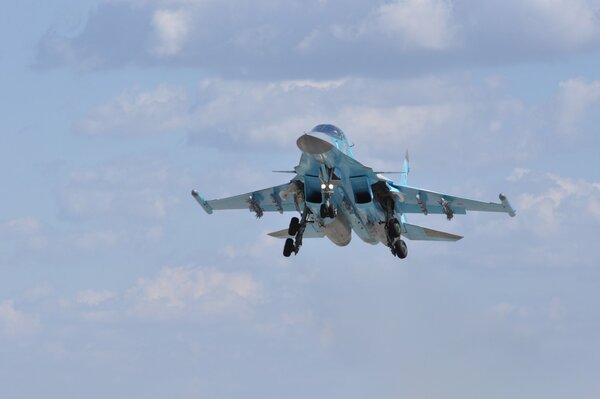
[288, 247]
[394, 228]
[324, 211]
[332, 212]
[294, 226]
[401, 249]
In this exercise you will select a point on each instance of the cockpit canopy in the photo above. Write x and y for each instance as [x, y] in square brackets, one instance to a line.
[335, 136]
[330, 130]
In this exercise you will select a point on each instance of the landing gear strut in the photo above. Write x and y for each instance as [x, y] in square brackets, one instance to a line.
[296, 229]
[393, 228]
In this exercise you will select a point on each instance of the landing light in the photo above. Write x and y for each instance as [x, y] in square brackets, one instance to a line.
[323, 186]
[331, 186]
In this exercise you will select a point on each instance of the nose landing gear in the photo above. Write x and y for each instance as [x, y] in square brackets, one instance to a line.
[328, 210]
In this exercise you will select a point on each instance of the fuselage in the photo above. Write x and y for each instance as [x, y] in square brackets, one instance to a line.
[330, 173]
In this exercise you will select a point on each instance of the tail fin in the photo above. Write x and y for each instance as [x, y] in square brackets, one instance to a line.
[405, 170]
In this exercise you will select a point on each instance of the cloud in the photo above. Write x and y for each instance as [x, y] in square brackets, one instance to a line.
[434, 114]
[565, 199]
[14, 323]
[119, 190]
[518, 174]
[427, 24]
[384, 114]
[569, 23]
[23, 226]
[94, 298]
[313, 39]
[578, 100]
[28, 230]
[172, 28]
[192, 293]
[138, 113]
[505, 310]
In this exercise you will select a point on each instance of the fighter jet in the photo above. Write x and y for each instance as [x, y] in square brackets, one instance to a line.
[335, 195]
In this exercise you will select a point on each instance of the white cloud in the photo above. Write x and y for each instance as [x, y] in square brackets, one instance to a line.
[136, 112]
[275, 113]
[14, 323]
[518, 174]
[94, 298]
[427, 24]
[91, 240]
[382, 117]
[131, 188]
[25, 226]
[565, 199]
[556, 310]
[290, 39]
[179, 292]
[308, 41]
[570, 23]
[577, 97]
[172, 28]
[505, 310]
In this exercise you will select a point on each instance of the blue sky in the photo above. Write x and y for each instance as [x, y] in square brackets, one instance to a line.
[114, 283]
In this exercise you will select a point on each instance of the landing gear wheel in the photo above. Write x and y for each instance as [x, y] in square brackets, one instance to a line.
[324, 211]
[394, 228]
[332, 212]
[400, 249]
[294, 226]
[288, 248]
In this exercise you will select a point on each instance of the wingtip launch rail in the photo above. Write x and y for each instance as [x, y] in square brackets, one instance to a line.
[509, 209]
[203, 203]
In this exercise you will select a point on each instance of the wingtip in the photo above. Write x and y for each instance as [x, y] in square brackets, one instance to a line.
[507, 206]
[203, 203]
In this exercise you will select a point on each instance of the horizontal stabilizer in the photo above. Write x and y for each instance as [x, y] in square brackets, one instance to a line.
[311, 231]
[414, 232]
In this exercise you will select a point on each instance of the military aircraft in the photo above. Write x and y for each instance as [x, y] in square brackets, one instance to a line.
[335, 195]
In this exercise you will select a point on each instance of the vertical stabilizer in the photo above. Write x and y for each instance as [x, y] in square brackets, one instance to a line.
[405, 170]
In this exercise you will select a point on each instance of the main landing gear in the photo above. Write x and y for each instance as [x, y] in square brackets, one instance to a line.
[399, 249]
[396, 244]
[296, 229]
[393, 228]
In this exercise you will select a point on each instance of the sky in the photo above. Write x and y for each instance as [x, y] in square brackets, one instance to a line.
[115, 283]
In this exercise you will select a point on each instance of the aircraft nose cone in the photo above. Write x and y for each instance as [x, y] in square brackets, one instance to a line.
[313, 145]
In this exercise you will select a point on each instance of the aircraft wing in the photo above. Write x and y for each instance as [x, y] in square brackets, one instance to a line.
[272, 199]
[417, 200]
